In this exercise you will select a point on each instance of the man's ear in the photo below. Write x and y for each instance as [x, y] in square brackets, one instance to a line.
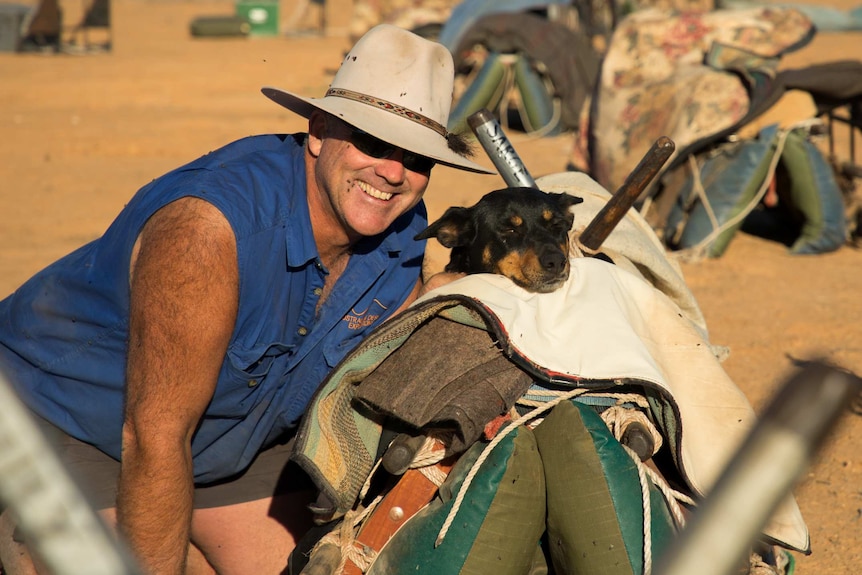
[316, 131]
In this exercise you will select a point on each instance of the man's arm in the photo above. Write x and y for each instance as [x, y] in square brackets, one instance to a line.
[421, 288]
[439, 279]
[184, 291]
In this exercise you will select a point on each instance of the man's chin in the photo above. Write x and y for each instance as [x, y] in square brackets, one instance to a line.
[368, 229]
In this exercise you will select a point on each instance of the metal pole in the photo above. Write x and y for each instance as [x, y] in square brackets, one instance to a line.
[762, 473]
[59, 525]
[509, 165]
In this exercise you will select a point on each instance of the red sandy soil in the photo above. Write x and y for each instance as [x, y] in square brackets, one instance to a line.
[81, 133]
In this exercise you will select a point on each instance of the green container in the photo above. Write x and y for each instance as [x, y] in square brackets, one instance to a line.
[262, 17]
[219, 26]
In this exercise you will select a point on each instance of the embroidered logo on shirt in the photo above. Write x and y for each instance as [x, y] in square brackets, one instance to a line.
[362, 319]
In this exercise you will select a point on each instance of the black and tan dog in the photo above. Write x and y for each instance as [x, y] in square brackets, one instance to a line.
[521, 233]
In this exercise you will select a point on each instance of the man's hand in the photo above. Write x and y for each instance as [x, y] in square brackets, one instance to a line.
[184, 298]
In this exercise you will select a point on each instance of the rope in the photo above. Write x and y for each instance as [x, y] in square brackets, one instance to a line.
[425, 460]
[618, 419]
[647, 511]
[367, 485]
[345, 539]
[700, 191]
[361, 557]
[698, 251]
[616, 422]
[434, 474]
[462, 491]
[672, 497]
[508, 84]
[429, 454]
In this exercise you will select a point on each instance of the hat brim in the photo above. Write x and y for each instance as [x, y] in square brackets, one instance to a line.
[387, 126]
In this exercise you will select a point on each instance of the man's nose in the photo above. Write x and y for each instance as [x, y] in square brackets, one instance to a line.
[391, 168]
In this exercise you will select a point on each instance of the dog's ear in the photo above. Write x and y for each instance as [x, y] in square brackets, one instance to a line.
[565, 201]
[453, 229]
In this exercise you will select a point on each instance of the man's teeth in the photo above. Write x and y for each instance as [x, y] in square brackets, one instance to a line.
[374, 192]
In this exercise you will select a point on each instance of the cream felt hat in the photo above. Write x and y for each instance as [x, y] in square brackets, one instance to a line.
[396, 86]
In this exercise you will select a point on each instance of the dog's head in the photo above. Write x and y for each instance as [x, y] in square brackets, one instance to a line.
[521, 233]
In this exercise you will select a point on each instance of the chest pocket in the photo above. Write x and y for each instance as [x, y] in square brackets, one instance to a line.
[363, 318]
[349, 337]
[248, 376]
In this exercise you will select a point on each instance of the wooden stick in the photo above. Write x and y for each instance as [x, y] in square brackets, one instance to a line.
[598, 230]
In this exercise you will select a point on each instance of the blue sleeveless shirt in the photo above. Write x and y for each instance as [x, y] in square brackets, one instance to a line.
[64, 333]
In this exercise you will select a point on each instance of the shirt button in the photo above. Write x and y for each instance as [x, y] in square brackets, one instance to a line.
[318, 291]
[252, 383]
[302, 331]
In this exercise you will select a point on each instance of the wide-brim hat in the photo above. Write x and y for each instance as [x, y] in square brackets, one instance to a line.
[396, 86]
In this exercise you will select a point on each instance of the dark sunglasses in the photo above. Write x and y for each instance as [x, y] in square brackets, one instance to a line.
[377, 148]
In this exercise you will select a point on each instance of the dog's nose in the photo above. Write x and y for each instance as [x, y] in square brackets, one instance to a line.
[552, 261]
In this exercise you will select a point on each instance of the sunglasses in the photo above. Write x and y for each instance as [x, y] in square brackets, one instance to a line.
[377, 148]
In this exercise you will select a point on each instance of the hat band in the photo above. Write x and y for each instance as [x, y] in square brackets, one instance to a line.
[389, 107]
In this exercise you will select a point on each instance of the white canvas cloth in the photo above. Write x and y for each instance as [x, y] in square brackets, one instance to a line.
[608, 323]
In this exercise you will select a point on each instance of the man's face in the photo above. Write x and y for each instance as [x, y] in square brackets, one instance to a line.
[363, 193]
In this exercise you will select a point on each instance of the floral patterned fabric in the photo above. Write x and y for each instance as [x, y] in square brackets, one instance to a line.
[685, 75]
[408, 14]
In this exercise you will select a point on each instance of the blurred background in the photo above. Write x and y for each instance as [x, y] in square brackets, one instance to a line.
[91, 114]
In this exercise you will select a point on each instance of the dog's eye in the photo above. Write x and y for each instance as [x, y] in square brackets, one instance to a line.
[511, 232]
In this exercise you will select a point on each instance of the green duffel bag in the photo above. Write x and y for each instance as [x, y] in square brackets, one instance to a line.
[595, 521]
[564, 498]
[496, 528]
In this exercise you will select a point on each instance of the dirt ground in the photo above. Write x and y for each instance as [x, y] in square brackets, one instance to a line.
[81, 133]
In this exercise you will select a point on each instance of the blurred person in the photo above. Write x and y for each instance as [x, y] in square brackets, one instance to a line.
[43, 29]
[188, 340]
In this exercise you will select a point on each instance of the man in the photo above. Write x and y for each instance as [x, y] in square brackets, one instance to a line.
[190, 337]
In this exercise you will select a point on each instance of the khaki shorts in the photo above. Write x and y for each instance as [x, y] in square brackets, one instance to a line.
[97, 473]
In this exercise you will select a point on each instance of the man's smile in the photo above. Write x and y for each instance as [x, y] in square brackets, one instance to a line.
[374, 192]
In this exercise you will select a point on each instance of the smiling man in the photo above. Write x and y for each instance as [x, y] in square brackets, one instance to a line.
[172, 359]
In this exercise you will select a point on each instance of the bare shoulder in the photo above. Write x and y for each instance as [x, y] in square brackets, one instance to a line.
[187, 220]
[188, 230]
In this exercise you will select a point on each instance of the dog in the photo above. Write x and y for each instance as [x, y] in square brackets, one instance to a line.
[521, 233]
